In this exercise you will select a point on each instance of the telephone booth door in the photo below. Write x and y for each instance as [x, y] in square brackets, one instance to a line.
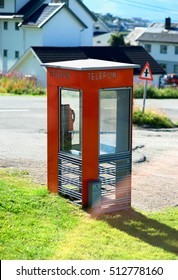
[115, 147]
[70, 163]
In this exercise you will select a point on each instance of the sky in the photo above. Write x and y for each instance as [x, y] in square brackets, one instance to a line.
[156, 10]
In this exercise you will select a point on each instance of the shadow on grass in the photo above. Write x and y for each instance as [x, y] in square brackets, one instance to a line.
[146, 229]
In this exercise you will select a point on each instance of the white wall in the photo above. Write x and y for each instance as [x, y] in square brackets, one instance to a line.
[102, 40]
[10, 42]
[9, 6]
[86, 34]
[59, 32]
[1, 46]
[32, 37]
[31, 66]
[170, 59]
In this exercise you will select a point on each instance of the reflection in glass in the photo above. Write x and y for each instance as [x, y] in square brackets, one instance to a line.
[70, 121]
[114, 121]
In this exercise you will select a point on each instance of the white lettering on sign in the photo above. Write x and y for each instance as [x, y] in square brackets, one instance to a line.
[58, 74]
[94, 76]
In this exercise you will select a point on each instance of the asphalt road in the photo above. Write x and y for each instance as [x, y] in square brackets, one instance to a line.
[23, 129]
[23, 125]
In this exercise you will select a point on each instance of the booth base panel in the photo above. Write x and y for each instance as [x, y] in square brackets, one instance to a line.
[69, 177]
[114, 175]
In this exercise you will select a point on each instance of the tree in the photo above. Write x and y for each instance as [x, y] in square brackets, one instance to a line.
[116, 40]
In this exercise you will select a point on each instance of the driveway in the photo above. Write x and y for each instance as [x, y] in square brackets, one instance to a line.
[23, 141]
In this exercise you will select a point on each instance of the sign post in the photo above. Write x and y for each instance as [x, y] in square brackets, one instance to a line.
[144, 96]
[147, 76]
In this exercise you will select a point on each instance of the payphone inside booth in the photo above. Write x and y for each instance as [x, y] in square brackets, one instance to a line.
[70, 121]
[90, 132]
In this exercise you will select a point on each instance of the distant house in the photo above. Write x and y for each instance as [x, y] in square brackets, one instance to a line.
[26, 23]
[132, 37]
[100, 27]
[102, 39]
[30, 62]
[161, 41]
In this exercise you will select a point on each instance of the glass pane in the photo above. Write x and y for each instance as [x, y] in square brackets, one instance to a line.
[123, 120]
[70, 120]
[114, 121]
[108, 105]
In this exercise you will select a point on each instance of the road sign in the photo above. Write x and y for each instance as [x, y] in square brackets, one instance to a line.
[146, 73]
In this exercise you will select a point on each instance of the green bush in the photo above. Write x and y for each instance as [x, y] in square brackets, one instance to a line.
[154, 92]
[19, 84]
[151, 119]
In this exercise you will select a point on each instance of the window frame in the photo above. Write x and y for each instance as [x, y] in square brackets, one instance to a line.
[5, 53]
[1, 3]
[176, 66]
[17, 54]
[147, 47]
[17, 26]
[176, 50]
[5, 25]
[163, 49]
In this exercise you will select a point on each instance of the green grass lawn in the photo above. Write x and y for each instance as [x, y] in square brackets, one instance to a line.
[38, 225]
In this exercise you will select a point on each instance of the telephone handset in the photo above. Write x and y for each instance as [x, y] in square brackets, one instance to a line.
[71, 120]
[67, 126]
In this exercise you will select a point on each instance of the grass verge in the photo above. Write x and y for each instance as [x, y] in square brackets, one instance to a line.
[39, 225]
[151, 119]
[154, 92]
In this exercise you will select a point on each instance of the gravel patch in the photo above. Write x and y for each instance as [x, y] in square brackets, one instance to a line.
[36, 169]
[155, 168]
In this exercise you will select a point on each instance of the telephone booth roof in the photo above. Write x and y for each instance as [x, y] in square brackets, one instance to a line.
[90, 64]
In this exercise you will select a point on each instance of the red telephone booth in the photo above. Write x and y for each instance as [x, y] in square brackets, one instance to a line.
[90, 131]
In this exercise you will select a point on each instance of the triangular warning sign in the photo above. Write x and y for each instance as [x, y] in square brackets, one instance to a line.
[146, 73]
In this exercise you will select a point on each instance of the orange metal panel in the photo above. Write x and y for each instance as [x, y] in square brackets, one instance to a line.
[52, 137]
[90, 139]
[64, 78]
[108, 78]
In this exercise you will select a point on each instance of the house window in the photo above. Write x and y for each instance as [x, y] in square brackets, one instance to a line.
[163, 49]
[16, 54]
[5, 53]
[148, 47]
[164, 66]
[5, 25]
[16, 25]
[98, 42]
[176, 49]
[1, 3]
[176, 68]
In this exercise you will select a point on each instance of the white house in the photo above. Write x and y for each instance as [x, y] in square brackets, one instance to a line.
[25, 23]
[161, 41]
[100, 27]
[30, 63]
[132, 37]
[102, 39]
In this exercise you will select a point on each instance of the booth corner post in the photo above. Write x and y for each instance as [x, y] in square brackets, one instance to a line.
[52, 137]
[90, 132]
